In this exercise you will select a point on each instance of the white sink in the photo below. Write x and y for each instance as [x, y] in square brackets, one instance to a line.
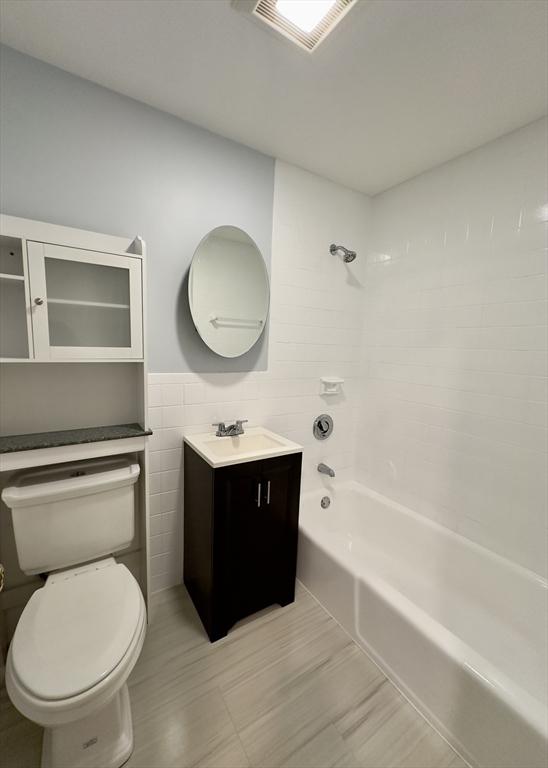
[256, 443]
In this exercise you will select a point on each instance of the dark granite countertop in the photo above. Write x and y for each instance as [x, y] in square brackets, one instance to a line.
[13, 443]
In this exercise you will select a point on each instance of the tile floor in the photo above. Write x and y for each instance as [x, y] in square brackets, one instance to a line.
[285, 688]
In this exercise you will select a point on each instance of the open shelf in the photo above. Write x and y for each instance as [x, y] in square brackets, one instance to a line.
[38, 449]
[35, 440]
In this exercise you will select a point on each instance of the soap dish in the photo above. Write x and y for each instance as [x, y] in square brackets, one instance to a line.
[331, 385]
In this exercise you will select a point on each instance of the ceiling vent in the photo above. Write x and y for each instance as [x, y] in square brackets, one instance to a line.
[295, 19]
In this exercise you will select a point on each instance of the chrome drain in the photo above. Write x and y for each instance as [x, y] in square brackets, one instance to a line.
[325, 502]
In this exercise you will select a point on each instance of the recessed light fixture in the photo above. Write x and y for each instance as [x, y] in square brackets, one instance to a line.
[305, 22]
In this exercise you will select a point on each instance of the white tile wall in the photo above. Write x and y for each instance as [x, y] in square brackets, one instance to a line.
[454, 385]
[315, 330]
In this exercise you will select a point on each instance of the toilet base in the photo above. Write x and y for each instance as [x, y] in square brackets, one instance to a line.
[104, 738]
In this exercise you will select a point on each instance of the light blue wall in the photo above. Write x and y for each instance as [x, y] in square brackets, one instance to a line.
[76, 154]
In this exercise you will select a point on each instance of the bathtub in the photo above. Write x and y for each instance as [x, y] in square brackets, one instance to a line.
[461, 631]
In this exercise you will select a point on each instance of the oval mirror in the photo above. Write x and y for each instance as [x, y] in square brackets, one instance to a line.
[228, 291]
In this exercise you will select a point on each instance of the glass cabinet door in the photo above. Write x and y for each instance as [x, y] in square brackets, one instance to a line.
[14, 313]
[85, 304]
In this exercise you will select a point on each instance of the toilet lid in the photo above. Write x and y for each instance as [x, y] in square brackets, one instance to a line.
[75, 631]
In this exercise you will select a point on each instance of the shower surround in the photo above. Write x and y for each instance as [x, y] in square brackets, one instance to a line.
[454, 387]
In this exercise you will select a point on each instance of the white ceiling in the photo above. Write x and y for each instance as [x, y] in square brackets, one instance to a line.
[400, 86]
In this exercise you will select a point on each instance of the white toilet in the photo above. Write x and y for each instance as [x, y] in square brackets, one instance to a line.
[80, 635]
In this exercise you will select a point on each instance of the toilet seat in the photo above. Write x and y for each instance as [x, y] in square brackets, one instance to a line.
[53, 684]
[76, 629]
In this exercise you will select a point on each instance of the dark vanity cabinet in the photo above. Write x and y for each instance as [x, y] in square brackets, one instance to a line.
[240, 537]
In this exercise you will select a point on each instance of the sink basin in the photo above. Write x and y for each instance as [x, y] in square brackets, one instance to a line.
[256, 443]
[245, 443]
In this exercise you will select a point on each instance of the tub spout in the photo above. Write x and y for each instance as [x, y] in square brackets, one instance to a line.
[324, 469]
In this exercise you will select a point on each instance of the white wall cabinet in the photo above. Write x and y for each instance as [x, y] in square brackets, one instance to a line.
[84, 304]
[62, 303]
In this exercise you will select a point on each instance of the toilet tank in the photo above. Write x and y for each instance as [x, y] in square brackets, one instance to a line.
[70, 513]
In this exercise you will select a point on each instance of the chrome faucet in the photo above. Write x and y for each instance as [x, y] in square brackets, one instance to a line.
[232, 430]
[325, 470]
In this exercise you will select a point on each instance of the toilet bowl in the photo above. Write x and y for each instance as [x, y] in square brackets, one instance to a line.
[80, 635]
[74, 647]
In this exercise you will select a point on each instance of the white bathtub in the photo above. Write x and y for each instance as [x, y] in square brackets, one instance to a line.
[461, 631]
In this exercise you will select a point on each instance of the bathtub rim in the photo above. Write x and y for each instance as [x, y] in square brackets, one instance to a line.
[355, 485]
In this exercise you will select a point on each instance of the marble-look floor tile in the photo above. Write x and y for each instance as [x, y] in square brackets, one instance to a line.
[176, 736]
[20, 740]
[385, 731]
[230, 754]
[325, 750]
[289, 717]
[287, 687]
[186, 664]
[286, 678]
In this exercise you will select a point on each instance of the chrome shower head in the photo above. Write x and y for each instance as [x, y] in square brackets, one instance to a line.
[347, 256]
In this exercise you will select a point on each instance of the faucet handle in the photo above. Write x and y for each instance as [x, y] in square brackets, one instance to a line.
[239, 422]
[220, 428]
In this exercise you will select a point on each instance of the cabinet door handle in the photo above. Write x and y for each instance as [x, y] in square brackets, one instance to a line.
[38, 301]
[268, 492]
[259, 494]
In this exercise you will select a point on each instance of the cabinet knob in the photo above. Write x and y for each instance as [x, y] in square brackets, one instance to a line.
[38, 301]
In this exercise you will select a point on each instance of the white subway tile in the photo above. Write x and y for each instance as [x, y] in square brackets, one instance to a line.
[173, 416]
[172, 394]
[155, 420]
[194, 393]
[154, 395]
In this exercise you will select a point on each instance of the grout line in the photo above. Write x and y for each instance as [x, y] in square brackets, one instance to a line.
[236, 731]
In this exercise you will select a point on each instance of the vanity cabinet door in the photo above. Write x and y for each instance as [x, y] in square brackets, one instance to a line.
[85, 305]
[240, 534]
[256, 535]
[281, 480]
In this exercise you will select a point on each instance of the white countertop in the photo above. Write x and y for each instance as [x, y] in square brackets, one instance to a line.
[255, 444]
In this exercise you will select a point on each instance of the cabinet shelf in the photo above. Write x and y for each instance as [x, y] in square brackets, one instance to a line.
[76, 303]
[5, 276]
